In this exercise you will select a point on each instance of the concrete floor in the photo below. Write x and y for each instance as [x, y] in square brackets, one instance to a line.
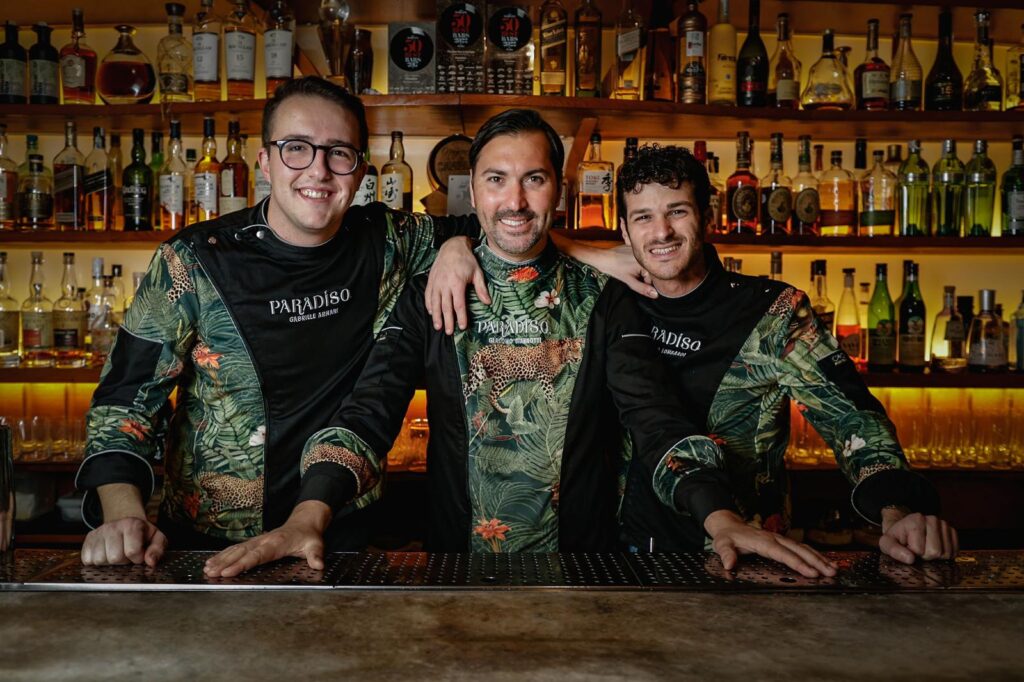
[543, 634]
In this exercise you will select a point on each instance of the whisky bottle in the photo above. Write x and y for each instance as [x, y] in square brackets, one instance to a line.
[135, 187]
[93, 298]
[10, 320]
[752, 63]
[174, 58]
[554, 46]
[806, 202]
[37, 320]
[775, 267]
[1014, 76]
[240, 51]
[206, 54]
[78, 65]
[912, 195]
[905, 75]
[860, 159]
[8, 184]
[396, 177]
[69, 182]
[983, 88]
[261, 185]
[741, 199]
[722, 59]
[13, 67]
[893, 163]
[848, 323]
[206, 175]
[877, 200]
[910, 342]
[69, 320]
[191, 207]
[1012, 194]
[948, 336]
[42, 68]
[980, 192]
[947, 193]
[784, 70]
[871, 78]
[587, 24]
[35, 196]
[776, 194]
[821, 304]
[367, 193]
[717, 199]
[126, 76]
[234, 174]
[1018, 328]
[692, 76]
[279, 46]
[99, 185]
[173, 182]
[595, 198]
[156, 164]
[104, 326]
[837, 191]
[630, 55]
[117, 283]
[881, 325]
[943, 89]
[827, 82]
[986, 351]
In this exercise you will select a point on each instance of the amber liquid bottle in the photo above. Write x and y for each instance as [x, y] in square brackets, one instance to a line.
[553, 48]
[78, 65]
[240, 51]
[871, 78]
[234, 174]
[741, 190]
[206, 177]
[587, 22]
[206, 54]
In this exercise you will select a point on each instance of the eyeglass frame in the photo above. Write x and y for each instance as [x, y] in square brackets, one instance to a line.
[325, 148]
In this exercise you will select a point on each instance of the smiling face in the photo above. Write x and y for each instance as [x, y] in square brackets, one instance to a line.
[307, 206]
[515, 191]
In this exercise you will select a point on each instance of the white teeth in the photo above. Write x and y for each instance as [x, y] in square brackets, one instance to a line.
[313, 194]
[663, 251]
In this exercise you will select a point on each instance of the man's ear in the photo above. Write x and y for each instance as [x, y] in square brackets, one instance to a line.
[472, 198]
[263, 156]
[624, 231]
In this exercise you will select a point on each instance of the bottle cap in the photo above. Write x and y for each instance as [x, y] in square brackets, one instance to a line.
[988, 299]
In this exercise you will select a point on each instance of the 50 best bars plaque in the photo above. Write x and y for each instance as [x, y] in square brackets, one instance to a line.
[410, 58]
[460, 47]
[509, 50]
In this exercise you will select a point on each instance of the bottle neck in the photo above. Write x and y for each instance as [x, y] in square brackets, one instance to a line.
[594, 151]
[209, 147]
[397, 149]
[3, 280]
[174, 26]
[36, 278]
[872, 41]
[67, 283]
[1018, 157]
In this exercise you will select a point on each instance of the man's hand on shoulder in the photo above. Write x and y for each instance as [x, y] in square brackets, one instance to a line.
[454, 269]
[907, 536]
[732, 536]
[617, 262]
[127, 540]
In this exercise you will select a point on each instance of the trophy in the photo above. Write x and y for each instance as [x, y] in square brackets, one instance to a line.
[336, 37]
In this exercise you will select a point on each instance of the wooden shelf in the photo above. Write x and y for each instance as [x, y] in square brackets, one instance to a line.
[108, 239]
[952, 246]
[939, 380]
[53, 375]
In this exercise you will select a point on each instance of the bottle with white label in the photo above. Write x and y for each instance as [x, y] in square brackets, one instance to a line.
[1013, 193]
[78, 65]
[174, 58]
[37, 320]
[260, 184]
[42, 68]
[630, 54]
[206, 176]
[595, 198]
[240, 51]
[173, 183]
[234, 174]
[13, 65]
[367, 193]
[206, 54]
[278, 45]
[396, 177]
[986, 350]
[10, 320]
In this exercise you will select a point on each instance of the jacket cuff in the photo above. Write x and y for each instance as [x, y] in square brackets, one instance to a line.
[329, 483]
[116, 466]
[894, 487]
[702, 493]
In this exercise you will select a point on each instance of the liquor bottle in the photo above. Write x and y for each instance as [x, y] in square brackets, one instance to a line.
[125, 75]
[240, 51]
[104, 323]
[1018, 328]
[784, 70]
[78, 65]
[881, 320]
[752, 63]
[716, 219]
[69, 182]
[806, 202]
[630, 55]
[367, 193]
[595, 199]
[93, 300]
[775, 268]
[906, 277]
[860, 158]
[396, 177]
[632, 150]
[587, 25]
[943, 89]
[661, 79]
[741, 190]
[948, 335]
[877, 200]
[10, 320]
[206, 53]
[9, 184]
[37, 320]
[261, 185]
[722, 59]
[822, 305]
[827, 82]
[553, 48]
[905, 75]
[893, 158]
[279, 46]
[913, 193]
[174, 58]
[947, 193]
[42, 68]
[693, 28]
[191, 207]
[117, 283]
[173, 180]
[871, 78]
[863, 303]
[69, 320]
[837, 192]
[206, 175]
[35, 196]
[910, 344]
[137, 278]
[156, 164]
[116, 167]
[1014, 79]
[986, 351]
[980, 192]
[983, 88]
[13, 66]
[776, 194]
[1012, 194]
[234, 174]
[99, 186]
[998, 311]
[136, 182]
[848, 328]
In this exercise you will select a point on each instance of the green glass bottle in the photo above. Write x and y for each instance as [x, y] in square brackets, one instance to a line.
[980, 204]
[881, 331]
[156, 164]
[136, 182]
[1013, 193]
[913, 193]
[910, 344]
[947, 193]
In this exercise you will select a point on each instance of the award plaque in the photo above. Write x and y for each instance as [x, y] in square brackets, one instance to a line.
[460, 47]
[509, 50]
[411, 60]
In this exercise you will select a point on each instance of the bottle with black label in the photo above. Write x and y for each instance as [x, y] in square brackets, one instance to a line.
[553, 48]
[13, 66]
[943, 89]
[948, 336]
[69, 320]
[43, 60]
[99, 186]
[69, 182]
[741, 201]
[776, 194]
[881, 321]
[806, 203]
[135, 187]
[983, 89]
[910, 348]
[752, 63]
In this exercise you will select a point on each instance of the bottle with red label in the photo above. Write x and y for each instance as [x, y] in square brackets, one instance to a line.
[741, 190]
[78, 65]
[752, 64]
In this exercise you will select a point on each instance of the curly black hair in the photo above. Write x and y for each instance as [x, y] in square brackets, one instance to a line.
[670, 166]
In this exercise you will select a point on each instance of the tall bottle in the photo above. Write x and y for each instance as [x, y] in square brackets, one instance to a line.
[587, 25]
[1011, 193]
[206, 175]
[827, 82]
[240, 51]
[43, 60]
[983, 88]
[630, 55]
[37, 320]
[1014, 77]
[741, 190]
[947, 193]
[191, 206]
[396, 177]
[943, 89]
[69, 182]
[13, 67]
[173, 182]
[877, 200]
[948, 336]
[595, 198]
[554, 24]
[848, 323]
[913, 193]
[103, 318]
[980, 192]
[986, 351]
[9, 184]
[871, 78]
[837, 191]
[822, 305]
[136, 184]
[35, 196]
[234, 174]
[722, 59]
[278, 45]
[206, 53]
[99, 186]
[367, 193]
[717, 218]
[775, 266]
[156, 164]
[752, 63]
[116, 165]
[910, 344]
[69, 320]
[174, 58]
[261, 185]
[806, 202]
[881, 325]
[78, 65]
[10, 320]
[905, 75]
[776, 194]
[692, 72]
[784, 70]
[1018, 329]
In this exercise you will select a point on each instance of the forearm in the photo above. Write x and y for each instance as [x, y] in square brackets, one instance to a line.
[595, 257]
[312, 514]
[120, 501]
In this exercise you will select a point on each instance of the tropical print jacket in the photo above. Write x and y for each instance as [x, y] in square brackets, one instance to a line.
[525, 408]
[740, 348]
[261, 339]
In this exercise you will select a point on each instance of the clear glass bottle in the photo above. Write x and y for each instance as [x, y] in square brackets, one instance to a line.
[944, 87]
[35, 196]
[78, 65]
[69, 320]
[630, 55]
[279, 46]
[116, 166]
[877, 200]
[240, 51]
[99, 186]
[863, 303]
[806, 202]
[1015, 74]
[13, 67]
[980, 192]
[173, 182]
[871, 77]
[10, 320]
[367, 193]
[206, 53]
[837, 191]
[986, 351]
[261, 185]
[69, 182]
[206, 175]
[37, 320]
[910, 342]
[192, 208]
[234, 174]
[43, 60]
[156, 163]
[948, 336]
[784, 69]
[741, 191]
[722, 59]
[126, 75]
[827, 81]
[881, 325]
[120, 294]
[752, 63]
[776, 194]
[848, 328]
[948, 193]
[174, 58]
[135, 187]
[93, 299]
[587, 24]
[104, 330]
[1012, 194]
[905, 75]
[983, 88]
[595, 196]
[822, 305]
[554, 24]
[913, 193]
[8, 184]
[396, 177]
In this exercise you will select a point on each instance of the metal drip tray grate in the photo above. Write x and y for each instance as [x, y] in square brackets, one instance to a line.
[990, 570]
[22, 566]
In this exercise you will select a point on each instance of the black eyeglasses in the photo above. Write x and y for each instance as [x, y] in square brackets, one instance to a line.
[342, 159]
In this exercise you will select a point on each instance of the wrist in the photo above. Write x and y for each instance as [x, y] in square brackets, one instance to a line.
[891, 514]
[311, 514]
[720, 520]
[121, 501]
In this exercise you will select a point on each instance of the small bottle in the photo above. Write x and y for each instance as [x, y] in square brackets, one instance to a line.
[741, 190]
[69, 182]
[37, 320]
[863, 303]
[776, 194]
[120, 294]
[240, 51]
[156, 164]
[910, 343]
[367, 193]
[630, 55]
[35, 196]
[848, 328]
[983, 88]
[279, 47]
[1014, 77]
[261, 184]
[871, 78]
[43, 61]
[135, 187]
[822, 305]
[10, 320]
[806, 202]
[877, 200]
[1011, 191]
[776, 266]
[587, 24]
[126, 75]
[396, 177]
[827, 82]
[554, 24]
[784, 70]
[104, 329]
[722, 59]
[881, 325]
[9, 184]
[174, 58]
[905, 75]
[206, 53]
[234, 174]
[664, 52]
[980, 192]
[137, 278]
[692, 72]
[116, 167]
[947, 193]
[192, 208]
[93, 308]
[69, 320]
[173, 182]
[986, 351]
[99, 186]
[595, 196]
[78, 65]
[752, 63]
[206, 175]
[948, 336]
[13, 67]
[1018, 328]
[943, 89]
[837, 191]
[913, 193]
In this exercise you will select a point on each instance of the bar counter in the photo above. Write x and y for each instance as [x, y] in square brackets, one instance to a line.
[513, 616]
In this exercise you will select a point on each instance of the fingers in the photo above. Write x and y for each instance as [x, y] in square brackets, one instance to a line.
[434, 306]
[727, 552]
[480, 284]
[785, 555]
[459, 303]
[956, 542]
[134, 540]
[933, 542]
[640, 286]
[315, 556]
[890, 546]
[157, 546]
[810, 556]
[448, 313]
[113, 548]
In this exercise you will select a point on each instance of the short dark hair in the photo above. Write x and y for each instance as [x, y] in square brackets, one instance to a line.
[513, 122]
[314, 86]
[670, 166]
